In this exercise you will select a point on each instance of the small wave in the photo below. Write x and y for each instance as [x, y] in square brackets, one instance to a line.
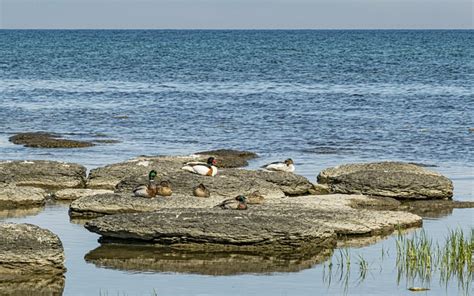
[249, 87]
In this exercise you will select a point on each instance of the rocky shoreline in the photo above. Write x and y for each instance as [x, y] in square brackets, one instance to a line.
[297, 216]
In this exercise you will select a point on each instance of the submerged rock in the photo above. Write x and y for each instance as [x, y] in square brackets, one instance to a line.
[391, 179]
[150, 258]
[47, 140]
[281, 224]
[43, 174]
[27, 251]
[434, 208]
[12, 196]
[228, 158]
[75, 193]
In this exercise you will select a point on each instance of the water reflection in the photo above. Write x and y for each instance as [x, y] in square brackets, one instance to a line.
[145, 258]
[32, 285]
[20, 212]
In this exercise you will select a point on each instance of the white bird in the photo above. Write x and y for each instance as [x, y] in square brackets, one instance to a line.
[285, 166]
[202, 168]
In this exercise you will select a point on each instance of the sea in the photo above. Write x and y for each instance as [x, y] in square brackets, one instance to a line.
[320, 97]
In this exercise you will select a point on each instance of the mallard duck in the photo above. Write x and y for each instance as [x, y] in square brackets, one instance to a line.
[148, 190]
[255, 198]
[201, 191]
[285, 166]
[236, 203]
[164, 189]
[201, 168]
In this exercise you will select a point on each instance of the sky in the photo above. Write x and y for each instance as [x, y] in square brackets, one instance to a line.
[236, 14]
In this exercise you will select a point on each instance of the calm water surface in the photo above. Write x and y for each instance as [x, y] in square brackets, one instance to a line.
[321, 97]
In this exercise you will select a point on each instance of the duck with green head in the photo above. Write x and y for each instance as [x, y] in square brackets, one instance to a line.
[149, 190]
[237, 203]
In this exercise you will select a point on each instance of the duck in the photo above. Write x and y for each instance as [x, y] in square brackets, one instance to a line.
[255, 198]
[236, 203]
[164, 189]
[148, 190]
[285, 166]
[201, 191]
[202, 168]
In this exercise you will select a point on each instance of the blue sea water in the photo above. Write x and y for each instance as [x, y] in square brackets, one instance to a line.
[321, 97]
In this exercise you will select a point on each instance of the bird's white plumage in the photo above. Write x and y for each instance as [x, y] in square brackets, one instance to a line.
[280, 166]
[200, 168]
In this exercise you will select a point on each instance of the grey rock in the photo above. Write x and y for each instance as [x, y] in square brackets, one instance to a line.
[75, 193]
[109, 176]
[27, 250]
[12, 196]
[43, 174]
[281, 224]
[227, 183]
[228, 158]
[391, 179]
[47, 140]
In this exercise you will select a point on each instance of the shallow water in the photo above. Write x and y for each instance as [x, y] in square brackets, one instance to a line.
[323, 98]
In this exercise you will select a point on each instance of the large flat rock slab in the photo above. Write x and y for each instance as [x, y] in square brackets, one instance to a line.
[75, 193]
[27, 250]
[12, 196]
[150, 258]
[206, 228]
[392, 179]
[43, 174]
[287, 223]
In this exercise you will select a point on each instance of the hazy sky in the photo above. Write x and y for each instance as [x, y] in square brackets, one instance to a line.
[244, 14]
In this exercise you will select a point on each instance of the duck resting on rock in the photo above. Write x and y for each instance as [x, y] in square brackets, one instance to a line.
[202, 168]
[201, 191]
[164, 189]
[255, 198]
[285, 166]
[237, 203]
[148, 190]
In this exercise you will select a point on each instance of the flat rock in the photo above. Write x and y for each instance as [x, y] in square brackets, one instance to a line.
[12, 196]
[46, 140]
[27, 250]
[123, 177]
[43, 174]
[287, 223]
[392, 179]
[75, 193]
[109, 176]
[108, 204]
[228, 158]
[150, 258]
[227, 183]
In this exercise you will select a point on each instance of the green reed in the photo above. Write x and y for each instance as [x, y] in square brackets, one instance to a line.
[418, 258]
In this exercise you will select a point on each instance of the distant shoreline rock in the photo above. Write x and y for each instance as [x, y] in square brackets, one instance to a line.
[47, 140]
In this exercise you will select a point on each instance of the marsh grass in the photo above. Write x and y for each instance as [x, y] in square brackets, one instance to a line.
[418, 259]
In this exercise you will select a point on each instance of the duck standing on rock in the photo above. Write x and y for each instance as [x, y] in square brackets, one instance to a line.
[164, 189]
[285, 166]
[201, 191]
[236, 203]
[147, 190]
[201, 168]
